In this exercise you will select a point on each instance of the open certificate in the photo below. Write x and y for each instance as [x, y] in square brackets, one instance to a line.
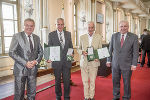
[103, 53]
[54, 53]
[69, 54]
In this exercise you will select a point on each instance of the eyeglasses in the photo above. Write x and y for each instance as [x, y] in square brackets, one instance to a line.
[60, 24]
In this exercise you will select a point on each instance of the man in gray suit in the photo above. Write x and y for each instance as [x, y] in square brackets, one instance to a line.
[123, 50]
[27, 52]
[61, 68]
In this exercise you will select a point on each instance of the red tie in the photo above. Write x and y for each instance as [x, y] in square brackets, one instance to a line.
[122, 40]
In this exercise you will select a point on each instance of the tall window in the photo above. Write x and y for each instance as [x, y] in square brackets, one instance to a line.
[9, 23]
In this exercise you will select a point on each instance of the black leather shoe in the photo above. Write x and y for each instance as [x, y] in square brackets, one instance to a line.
[59, 98]
[141, 65]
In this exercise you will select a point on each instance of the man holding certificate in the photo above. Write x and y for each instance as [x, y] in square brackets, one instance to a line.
[89, 65]
[123, 58]
[61, 44]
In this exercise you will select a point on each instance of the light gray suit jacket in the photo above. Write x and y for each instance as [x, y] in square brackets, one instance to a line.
[125, 56]
[21, 53]
[54, 41]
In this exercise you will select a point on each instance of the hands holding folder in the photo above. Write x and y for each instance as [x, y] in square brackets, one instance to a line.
[96, 54]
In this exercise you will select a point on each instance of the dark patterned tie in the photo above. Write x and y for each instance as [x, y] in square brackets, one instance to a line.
[61, 40]
[31, 45]
[122, 40]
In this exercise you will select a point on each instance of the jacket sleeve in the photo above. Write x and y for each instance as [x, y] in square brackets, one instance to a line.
[135, 51]
[109, 59]
[13, 51]
[40, 52]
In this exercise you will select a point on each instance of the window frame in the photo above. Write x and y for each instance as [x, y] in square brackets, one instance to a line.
[2, 36]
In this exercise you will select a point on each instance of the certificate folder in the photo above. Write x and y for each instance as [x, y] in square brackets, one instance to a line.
[99, 54]
[90, 56]
[69, 54]
[103, 53]
[52, 53]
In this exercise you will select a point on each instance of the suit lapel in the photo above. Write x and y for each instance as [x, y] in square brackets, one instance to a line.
[27, 45]
[127, 38]
[118, 40]
[87, 40]
[66, 40]
[93, 40]
[35, 44]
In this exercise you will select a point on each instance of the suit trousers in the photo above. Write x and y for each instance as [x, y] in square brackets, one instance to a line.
[89, 74]
[116, 76]
[20, 87]
[143, 57]
[65, 73]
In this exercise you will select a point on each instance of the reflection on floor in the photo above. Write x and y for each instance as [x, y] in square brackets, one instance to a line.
[7, 83]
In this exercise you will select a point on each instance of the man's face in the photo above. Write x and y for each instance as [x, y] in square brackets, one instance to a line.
[123, 27]
[91, 28]
[29, 27]
[60, 25]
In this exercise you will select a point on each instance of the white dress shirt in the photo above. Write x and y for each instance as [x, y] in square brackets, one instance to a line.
[31, 37]
[90, 39]
[62, 34]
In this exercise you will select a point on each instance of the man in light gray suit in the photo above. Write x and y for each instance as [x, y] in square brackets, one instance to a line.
[61, 68]
[123, 50]
[27, 52]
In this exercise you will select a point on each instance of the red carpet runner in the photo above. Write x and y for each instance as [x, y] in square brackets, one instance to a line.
[140, 86]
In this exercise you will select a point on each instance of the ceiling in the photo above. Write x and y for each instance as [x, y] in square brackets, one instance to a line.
[131, 6]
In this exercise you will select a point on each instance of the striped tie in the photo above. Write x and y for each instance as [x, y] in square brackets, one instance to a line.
[61, 40]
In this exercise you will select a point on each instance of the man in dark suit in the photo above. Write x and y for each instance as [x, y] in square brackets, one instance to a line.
[143, 51]
[145, 45]
[27, 52]
[61, 68]
[123, 50]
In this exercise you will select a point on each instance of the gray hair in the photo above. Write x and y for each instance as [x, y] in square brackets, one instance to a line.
[30, 20]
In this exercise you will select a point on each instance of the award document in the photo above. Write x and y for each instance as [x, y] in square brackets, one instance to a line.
[90, 56]
[69, 55]
[103, 53]
[52, 53]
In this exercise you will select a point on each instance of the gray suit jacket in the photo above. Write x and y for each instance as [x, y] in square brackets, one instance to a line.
[54, 41]
[21, 53]
[127, 55]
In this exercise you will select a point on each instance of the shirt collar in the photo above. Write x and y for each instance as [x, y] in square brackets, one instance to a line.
[92, 34]
[27, 35]
[60, 32]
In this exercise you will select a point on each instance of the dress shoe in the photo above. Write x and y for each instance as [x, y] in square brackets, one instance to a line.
[141, 65]
[85, 99]
[116, 99]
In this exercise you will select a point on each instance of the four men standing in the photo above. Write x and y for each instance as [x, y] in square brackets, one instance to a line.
[27, 52]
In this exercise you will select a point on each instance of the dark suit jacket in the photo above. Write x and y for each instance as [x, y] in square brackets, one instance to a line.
[145, 44]
[125, 56]
[20, 51]
[54, 41]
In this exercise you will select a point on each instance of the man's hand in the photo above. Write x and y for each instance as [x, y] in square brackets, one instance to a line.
[84, 53]
[29, 64]
[34, 62]
[133, 67]
[49, 61]
[96, 60]
[108, 64]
